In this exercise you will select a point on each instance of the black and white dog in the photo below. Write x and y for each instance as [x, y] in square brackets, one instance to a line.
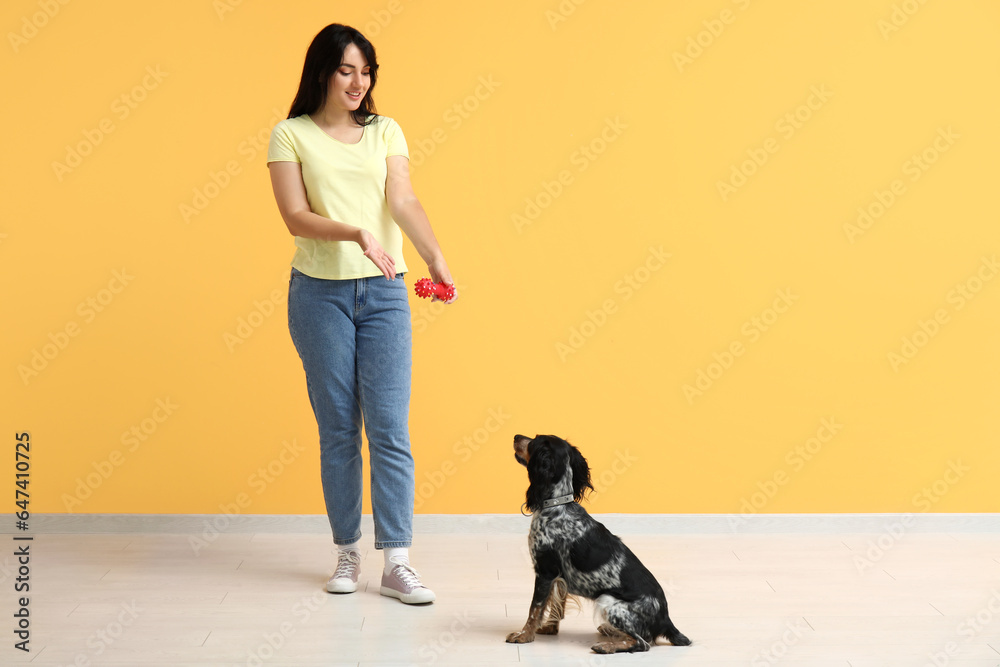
[574, 554]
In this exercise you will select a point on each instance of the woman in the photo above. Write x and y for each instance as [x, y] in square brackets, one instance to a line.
[340, 175]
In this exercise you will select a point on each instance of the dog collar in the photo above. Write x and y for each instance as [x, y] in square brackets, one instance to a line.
[561, 500]
[551, 502]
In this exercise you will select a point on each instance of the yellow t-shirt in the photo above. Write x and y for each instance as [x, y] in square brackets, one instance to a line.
[346, 183]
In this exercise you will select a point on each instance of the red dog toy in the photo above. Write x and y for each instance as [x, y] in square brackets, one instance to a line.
[425, 288]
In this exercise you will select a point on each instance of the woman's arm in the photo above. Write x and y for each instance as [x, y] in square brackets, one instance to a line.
[290, 195]
[411, 218]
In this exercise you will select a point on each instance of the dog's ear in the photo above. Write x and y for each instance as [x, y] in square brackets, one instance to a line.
[541, 462]
[581, 474]
[541, 471]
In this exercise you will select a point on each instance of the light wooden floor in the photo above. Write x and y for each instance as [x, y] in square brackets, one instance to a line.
[258, 599]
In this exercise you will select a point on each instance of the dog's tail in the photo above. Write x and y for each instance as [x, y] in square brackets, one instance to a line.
[673, 635]
[555, 606]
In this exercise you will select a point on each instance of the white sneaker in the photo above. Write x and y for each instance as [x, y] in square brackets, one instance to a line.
[403, 583]
[345, 578]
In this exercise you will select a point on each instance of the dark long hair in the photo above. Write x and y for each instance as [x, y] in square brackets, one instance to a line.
[325, 55]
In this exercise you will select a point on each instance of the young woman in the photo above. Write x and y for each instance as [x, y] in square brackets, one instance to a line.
[340, 175]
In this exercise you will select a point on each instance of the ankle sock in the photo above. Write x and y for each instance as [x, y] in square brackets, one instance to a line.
[353, 546]
[397, 554]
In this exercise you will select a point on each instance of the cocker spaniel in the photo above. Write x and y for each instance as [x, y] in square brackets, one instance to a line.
[574, 554]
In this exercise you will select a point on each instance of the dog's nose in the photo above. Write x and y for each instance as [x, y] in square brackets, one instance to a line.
[519, 437]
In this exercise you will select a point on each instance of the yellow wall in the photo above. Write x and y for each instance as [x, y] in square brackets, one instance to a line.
[651, 209]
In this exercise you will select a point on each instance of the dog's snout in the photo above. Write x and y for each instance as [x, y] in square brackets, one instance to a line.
[521, 448]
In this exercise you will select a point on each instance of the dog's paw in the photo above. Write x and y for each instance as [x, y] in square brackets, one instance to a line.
[548, 629]
[520, 637]
[608, 630]
[623, 643]
[604, 647]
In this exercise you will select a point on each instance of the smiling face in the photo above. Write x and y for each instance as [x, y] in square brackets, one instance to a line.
[351, 82]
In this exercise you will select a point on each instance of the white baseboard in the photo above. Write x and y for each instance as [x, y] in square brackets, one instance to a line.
[512, 523]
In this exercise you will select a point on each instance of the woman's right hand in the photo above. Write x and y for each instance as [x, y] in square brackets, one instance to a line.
[373, 250]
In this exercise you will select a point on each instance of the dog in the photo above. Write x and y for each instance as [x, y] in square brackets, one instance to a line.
[576, 555]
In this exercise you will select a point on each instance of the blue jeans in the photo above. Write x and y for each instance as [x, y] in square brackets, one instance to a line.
[355, 342]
